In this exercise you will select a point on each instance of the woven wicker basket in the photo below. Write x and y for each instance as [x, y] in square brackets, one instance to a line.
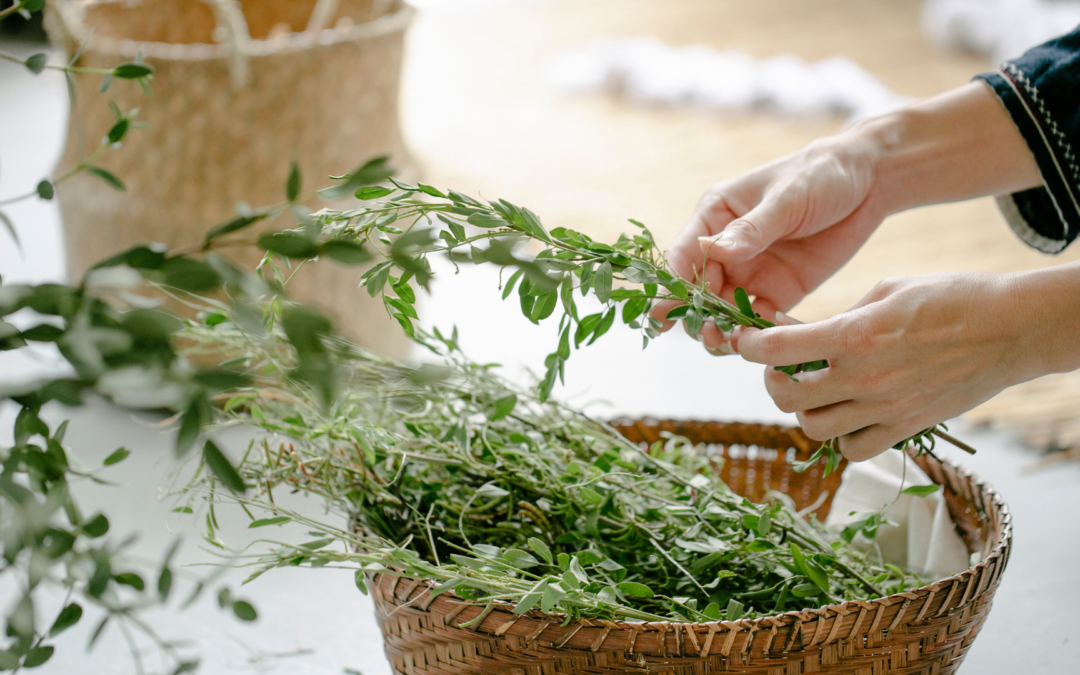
[327, 99]
[923, 631]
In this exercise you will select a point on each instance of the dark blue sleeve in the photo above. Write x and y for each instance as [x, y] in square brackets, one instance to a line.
[1041, 91]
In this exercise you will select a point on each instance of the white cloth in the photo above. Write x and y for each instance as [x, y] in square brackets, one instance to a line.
[924, 540]
[645, 70]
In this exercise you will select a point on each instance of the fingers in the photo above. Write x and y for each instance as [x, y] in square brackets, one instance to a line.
[813, 390]
[715, 340]
[749, 235]
[788, 345]
[876, 439]
[660, 312]
[836, 420]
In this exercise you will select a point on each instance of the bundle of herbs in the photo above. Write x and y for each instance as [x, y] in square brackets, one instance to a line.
[449, 473]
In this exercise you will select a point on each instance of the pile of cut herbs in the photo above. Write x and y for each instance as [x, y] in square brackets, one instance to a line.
[449, 473]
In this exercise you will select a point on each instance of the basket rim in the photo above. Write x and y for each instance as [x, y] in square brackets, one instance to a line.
[774, 621]
[72, 13]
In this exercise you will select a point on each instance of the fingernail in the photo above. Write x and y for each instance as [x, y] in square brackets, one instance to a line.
[721, 240]
[726, 348]
[780, 319]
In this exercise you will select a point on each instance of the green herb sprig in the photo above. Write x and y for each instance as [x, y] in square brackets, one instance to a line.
[468, 230]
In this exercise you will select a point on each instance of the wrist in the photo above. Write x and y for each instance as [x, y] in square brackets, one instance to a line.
[1047, 302]
[956, 146]
[887, 144]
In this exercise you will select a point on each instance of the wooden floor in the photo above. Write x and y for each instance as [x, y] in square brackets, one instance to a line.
[481, 118]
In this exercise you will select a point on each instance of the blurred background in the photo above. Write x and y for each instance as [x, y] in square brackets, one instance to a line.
[589, 112]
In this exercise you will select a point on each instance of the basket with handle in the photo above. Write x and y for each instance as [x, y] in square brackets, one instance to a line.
[924, 631]
[290, 80]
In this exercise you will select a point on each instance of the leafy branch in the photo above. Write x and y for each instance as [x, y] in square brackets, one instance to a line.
[570, 263]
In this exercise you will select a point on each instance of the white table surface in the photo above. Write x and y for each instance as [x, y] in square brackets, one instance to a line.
[315, 621]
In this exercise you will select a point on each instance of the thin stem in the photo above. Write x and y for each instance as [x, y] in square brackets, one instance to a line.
[78, 70]
[4, 13]
[954, 440]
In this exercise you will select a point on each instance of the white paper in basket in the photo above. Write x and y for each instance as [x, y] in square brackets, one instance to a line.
[925, 537]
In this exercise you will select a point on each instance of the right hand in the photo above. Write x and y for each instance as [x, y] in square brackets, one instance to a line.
[781, 230]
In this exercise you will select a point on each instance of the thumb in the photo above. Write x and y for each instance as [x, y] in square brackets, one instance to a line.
[745, 237]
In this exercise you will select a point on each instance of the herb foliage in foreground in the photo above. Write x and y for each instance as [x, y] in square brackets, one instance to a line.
[450, 473]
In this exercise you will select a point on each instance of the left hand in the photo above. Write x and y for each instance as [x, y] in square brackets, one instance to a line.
[914, 352]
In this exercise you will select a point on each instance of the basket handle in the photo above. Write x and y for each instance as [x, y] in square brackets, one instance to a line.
[230, 19]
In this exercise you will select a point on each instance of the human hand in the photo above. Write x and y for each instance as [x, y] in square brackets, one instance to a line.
[781, 230]
[914, 352]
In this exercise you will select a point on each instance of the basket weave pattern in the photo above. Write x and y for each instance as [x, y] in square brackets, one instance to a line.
[326, 99]
[923, 631]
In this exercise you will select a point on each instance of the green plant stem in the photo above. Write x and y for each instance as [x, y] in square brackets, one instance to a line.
[76, 70]
[4, 13]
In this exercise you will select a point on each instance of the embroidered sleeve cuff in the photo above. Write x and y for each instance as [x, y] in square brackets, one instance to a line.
[1045, 218]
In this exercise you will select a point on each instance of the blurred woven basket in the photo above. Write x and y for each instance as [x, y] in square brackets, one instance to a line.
[924, 631]
[225, 120]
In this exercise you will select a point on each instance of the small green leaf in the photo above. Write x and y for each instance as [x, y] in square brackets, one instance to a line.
[491, 490]
[375, 170]
[96, 526]
[118, 455]
[289, 244]
[743, 302]
[800, 559]
[36, 63]
[107, 176]
[633, 309]
[131, 71]
[602, 327]
[427, 189]
[487, 220]
[37, 656]
[541, 549]
[361, 583]
[292, 185]
[188, 274]
[509, 287]
[602, 282]
[164, 583]
[222, 379]
[119, 130]
[817, 575]
[764, 523]
[264, 522]
[68, 617]
[806, 591]
[244, 611]
[45, 190]
[544, 306]
[222, 467]
[230, 226]
[191, 424]
[922, 490]
[635, 590]
[367, 192]
[527, 602]
[130, 579]
[503, 407]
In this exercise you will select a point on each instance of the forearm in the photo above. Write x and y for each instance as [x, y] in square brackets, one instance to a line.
[956, 146]
[1048, 300]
